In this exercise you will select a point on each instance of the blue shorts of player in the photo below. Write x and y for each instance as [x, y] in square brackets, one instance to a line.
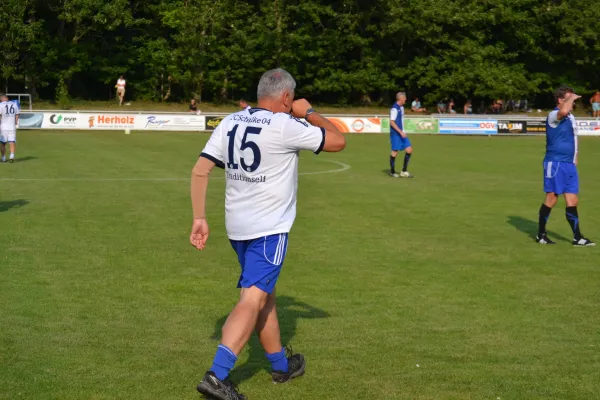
[560, 177]
[596, 106]
[398, 142]
[261, 260]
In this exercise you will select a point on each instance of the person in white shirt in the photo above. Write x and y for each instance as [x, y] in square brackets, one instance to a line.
[259, 150]
[244, 105]
[9, 112]
[121, 83]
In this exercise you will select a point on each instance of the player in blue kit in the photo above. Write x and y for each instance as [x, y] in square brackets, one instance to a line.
[399, 140]
[560, 166]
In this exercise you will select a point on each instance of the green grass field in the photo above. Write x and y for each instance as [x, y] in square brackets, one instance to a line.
[430, 288]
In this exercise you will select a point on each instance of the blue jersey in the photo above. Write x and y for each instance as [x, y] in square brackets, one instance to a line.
[397, 115]
[561, 138]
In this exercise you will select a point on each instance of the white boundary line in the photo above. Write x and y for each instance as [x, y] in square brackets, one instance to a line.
[342, 167]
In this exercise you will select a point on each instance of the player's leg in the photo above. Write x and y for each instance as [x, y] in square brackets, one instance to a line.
[12, 144]
[285, 366]
[215, 382]
[572, 200]
[393, 155]
[236, 332]
[552, 186]
[3, 150]
[544, 214]
[407, 155]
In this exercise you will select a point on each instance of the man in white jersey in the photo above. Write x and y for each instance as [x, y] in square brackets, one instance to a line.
[121, 83]
[259, 149]
[9, 112]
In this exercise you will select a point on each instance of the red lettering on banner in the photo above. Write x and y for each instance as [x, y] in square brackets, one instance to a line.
[103, 119]
[487, 125]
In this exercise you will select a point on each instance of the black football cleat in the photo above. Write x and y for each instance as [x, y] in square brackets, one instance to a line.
[543, 239]
[583, 242]
[213, 387]
[296, 367]
[12, 160]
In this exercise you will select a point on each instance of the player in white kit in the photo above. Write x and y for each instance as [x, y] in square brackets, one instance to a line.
[259, 149]
[9, 114]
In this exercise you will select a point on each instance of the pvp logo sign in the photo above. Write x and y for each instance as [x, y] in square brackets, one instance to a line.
[512, 126]
[58, 119]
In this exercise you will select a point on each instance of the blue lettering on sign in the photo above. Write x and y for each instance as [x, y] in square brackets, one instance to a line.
[152, 120]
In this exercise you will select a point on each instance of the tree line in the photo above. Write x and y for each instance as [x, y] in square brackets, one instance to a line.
[340, 51]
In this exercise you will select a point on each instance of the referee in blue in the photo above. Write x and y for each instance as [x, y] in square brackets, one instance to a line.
[560, 166]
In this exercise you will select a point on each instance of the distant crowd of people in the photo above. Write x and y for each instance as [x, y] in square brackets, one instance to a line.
[448, 106]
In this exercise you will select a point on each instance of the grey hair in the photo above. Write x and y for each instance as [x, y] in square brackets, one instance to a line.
[400, 94]
[275, 82]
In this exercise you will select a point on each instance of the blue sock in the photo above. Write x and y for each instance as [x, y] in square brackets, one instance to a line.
[278, 361]
[224, 361]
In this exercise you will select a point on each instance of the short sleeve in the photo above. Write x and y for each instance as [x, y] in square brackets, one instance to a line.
[300, 135]
[393, 114]
[214, 147]
[553, 119]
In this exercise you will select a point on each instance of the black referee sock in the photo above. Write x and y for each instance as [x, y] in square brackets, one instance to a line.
[573, 218]
[544, 215]
[392, 164]
[406, 160]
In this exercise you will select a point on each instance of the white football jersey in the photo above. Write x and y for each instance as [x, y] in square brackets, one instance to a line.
[259, 151]
[8, 112]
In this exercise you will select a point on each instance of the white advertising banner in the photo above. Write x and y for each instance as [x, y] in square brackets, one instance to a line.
[588, 127]
[108, 121]
[357, 124]
[171, 122]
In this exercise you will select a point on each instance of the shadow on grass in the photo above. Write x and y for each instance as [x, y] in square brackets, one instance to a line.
[23, 159]
[530, 228]
[289, 311]
[7, 205]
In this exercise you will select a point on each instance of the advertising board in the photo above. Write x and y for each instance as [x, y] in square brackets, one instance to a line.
[357, 124]
[588, 127]
[421, 125]
[468, 126]
[536, 126]
[511, 126]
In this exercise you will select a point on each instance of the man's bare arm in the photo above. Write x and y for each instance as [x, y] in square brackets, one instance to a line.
[199, 187]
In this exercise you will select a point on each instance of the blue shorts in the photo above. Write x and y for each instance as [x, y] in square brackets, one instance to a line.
[261, 260]
[560, 177]
[398, 142]
[596, 106]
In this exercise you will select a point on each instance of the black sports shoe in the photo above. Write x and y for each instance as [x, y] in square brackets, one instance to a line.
[583, 242]
[221, 390]
[543, 239]
[296, 366]
[12, 160]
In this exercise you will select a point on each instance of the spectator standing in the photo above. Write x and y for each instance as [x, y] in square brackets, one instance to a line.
[595, 102]
[121, 83]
